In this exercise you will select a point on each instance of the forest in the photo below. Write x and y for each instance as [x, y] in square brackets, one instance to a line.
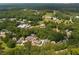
[27, 31]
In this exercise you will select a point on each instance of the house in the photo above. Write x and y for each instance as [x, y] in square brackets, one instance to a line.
[36, 43]
[40, 42]
[32, 37]
[46, 17]
[56, 29]
[53, 42]
[68, 21]
[54, 18]
[12, 19]
[21, 22]
[76, 16]
[42, 26]
[68, 33]
[24, 26]
[20, 40]
[44, 41]
[2, 34]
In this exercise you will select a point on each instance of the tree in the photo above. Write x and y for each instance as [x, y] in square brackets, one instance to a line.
[1, 48]
[28, 47]
[11, 43]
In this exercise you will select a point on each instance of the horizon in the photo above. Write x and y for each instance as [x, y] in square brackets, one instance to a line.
[39, 5]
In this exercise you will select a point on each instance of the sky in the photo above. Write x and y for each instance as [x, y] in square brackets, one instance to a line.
[39, 1]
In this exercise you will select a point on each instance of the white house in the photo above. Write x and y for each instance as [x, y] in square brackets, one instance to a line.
[32, 37]
[12, 19]
[47, 17]
[68, 33]
[3, 19]
[42, 26]
[54, 18]
[76, 16]
[24, 26]
[20, 40]
[2, 34]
